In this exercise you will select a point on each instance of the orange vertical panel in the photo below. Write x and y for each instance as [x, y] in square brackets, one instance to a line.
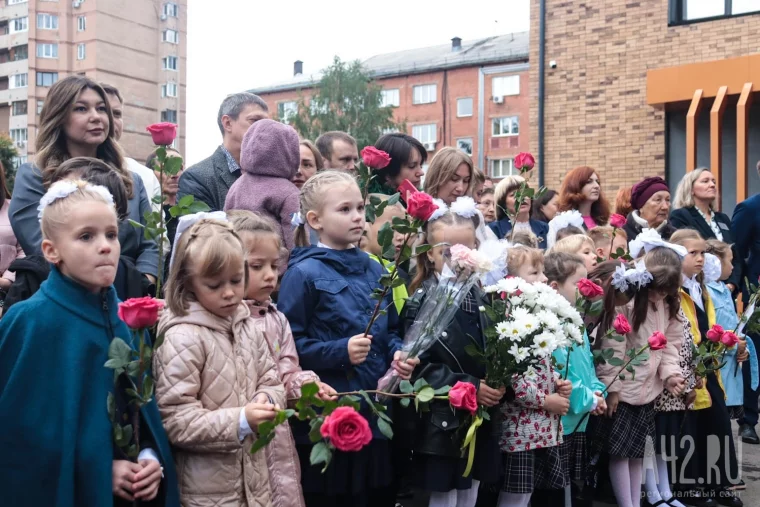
[742, 121]
[716, 137]
[691, 131]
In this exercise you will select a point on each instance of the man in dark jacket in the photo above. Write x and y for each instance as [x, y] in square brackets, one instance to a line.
[209, 180]
[746, 231]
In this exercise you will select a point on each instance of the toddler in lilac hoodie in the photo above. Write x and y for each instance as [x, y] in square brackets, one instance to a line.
[269, 158]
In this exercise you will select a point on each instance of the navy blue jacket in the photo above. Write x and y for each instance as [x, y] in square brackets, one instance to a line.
[745, 228]
[325, 294]
[503, 227]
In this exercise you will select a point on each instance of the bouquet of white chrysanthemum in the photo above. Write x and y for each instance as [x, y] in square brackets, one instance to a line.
[532, 320]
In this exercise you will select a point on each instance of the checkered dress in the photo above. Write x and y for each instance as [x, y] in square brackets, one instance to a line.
[574, 455]
[625, 434]
[538, 469]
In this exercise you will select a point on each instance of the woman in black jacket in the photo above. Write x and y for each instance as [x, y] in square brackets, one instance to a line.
[693, 209]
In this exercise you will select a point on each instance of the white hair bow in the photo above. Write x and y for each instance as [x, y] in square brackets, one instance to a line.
[296, 220]
[464, 206]
[187, 221]
[440, 210]
[649, 239]
[559, 222]
[712, 269]
[64, 188]
[637, 275]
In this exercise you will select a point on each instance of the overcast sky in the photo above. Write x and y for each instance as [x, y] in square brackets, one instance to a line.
[236, 45]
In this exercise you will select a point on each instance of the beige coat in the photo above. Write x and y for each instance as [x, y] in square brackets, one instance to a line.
[207, 370]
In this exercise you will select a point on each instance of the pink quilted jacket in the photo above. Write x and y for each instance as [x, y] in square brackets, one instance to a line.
[282, 459]
[207, 370]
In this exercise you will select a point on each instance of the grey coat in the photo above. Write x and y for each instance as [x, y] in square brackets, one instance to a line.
[208, 181]
[27, 192]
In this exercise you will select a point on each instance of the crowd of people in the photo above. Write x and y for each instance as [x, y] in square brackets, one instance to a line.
[287, 224]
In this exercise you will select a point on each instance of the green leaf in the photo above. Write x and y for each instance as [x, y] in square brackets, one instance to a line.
[111, 403]
[422, 249]
[320, 453]
[309, 390]
[473, 350]
[419, 384]
[132, 452]
[385, 428]
[442, 390]
[119, 349]
[618, 338]
[397, 282]
[147, 388]
[394, 199]
[425, 394]
[406, 387]
[186, 201]
[375, 200]
[615, 361]
[621, 376]
[385, 236]
[405, 402]
[136, 224]
[160, 157]
[173, 165]
[196, 207]
[261, 442]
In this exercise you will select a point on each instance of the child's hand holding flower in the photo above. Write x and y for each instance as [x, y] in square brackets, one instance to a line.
[404, 365]
[564, 388]
[326, 392]
[675, 385]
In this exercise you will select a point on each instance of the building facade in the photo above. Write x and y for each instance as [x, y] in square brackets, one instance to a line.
[138, 46]
[469, 94]
[649, 87]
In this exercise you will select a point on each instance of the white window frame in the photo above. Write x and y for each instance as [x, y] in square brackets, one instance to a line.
[81, 51]
[40, 104]
[40, 74]
[171, 36]
[47, 21]
[169, 90]
[14, 2]
[81, 23]
[171, 9]
[390, 130]
[18, 25]
[425, 133]
[167, 119]
[461, 142]
[424, 94]
[286, 110]
[472, 107]
[390, 98]
[512, 126]
[19, 135]
[505, 86]
[169, 58]
[13, 108]
[47, 50]
[18, 81]
[500, 163]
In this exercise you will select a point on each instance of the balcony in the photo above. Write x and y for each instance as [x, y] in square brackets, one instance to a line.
[14, 11]
[10, 96]
[18, 67]
[14, 39]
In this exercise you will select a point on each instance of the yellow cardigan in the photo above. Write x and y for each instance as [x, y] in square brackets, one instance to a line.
[689, 309]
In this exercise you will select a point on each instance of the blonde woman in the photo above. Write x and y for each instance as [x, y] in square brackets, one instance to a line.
[77, 121]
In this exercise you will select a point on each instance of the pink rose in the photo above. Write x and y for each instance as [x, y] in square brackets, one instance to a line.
[374, 158]
[420, 206]
[524, 161]
[464, 396]
[163, 133]
[657, 341]
[617, 221]
[347, 430]
[729, 339]
[589, 289]
[139, 313]
[621, 325]
[715, 333]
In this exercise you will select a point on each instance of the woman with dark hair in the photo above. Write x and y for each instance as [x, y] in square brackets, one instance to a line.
[650, 200]
[10, 250]
[546, 207]
[77, 121]
[582, 190]
[407, 157]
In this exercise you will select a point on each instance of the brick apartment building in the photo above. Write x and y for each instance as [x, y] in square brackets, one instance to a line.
[648, 87]
[139, 46]
[468, 94]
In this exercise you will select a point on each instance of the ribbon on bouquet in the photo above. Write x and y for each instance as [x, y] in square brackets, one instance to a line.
[469, 441]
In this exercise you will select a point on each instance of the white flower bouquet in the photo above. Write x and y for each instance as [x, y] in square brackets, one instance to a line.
[532, 321]
[462, 271]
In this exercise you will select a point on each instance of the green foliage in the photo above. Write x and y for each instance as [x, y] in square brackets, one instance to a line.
[345, 99]
[8, 154]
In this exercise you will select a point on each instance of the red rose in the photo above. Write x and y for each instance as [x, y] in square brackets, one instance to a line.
[139, 313]
[464, 396]
[657, 341]
[729, 339]
[420, 206]
[589, 289]
[524, 161]
[617, 221]
[163, 133]
[715, 333]
[621, 325]
[347, 429]
[374, 158]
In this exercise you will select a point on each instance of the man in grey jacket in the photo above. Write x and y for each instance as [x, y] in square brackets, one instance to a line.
[209, 180]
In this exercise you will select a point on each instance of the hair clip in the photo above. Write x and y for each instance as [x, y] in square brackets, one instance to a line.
[464, 206]
[296, 220]
[63, 189]
[650, 239]
[560, 221]
[440, 210]
[187, 221]
[712, 269]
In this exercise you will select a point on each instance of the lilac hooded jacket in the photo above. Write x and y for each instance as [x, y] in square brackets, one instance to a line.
[269, 158]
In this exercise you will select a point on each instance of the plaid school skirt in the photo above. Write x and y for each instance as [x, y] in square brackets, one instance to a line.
[537, 469]
[574, 455]
[625, 434]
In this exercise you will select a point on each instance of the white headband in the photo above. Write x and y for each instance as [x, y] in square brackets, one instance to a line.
[63, 189]
[650, 239]
[559, 222]
[187, 221]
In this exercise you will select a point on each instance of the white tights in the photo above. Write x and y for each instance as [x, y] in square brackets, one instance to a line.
[658, 483]
[625, 475]
[514, 499]
[456, 497]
